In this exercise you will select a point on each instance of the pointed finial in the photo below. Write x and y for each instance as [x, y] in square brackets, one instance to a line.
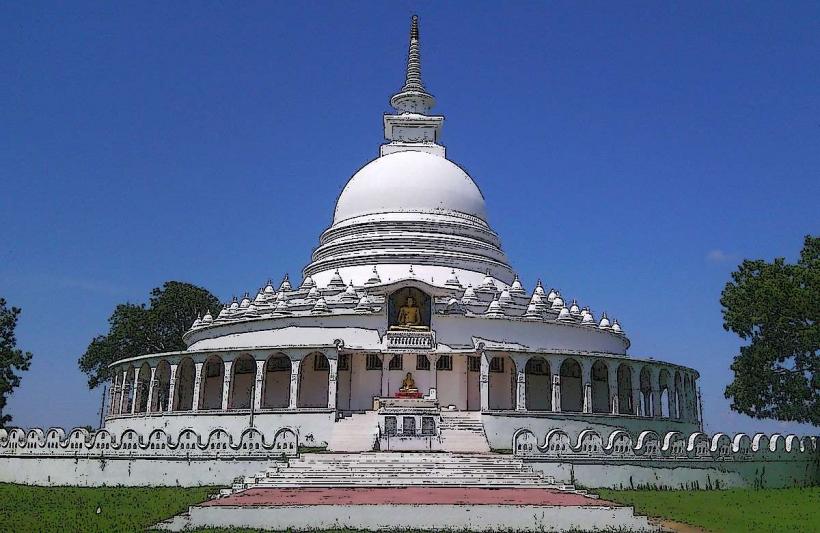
[413, 97]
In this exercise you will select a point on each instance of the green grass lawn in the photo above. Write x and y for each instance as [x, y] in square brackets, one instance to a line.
[729, 510]
[25, 508]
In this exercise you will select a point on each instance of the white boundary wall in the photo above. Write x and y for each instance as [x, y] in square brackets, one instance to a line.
[137, 471]
[674, 461]
[83, 459]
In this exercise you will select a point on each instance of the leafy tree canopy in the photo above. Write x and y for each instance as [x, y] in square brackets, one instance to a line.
[13, 360]
[138, 330]
[776, 307]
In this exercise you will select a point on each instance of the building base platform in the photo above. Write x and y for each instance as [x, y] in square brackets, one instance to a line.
[410, 508]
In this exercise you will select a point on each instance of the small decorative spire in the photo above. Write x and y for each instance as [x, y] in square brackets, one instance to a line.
[207, 319]
[307, 283]
[516, 288]
[285, 286]
[453, 281]
[488, 283]
[604, 323]
[564, 315]
[505, 299]
[260, 296]
[374, 278]
[246, 301]
[281, 308]
[539, 289]
[469, 295]
[616, 328]
[336, 282]
[269, 288]
[320, 307]
[574, 310]
[557, 302]
[494, 310]
[350, 293]
[538, 301]
[364, 305]
[533, 313]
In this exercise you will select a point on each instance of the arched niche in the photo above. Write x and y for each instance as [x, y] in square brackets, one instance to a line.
[572, 391]
[539, 384]
[213, 377]
[243, 378]
[276, 382]
[401, 304]
[600, 387]
[314, 377]
[184, 388]
[501, 383]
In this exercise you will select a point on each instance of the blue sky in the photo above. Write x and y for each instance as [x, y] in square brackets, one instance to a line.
[631, 154]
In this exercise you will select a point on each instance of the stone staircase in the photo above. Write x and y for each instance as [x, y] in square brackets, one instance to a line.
[463, 432]
[355, 433]
[433, 491]
[383, 469]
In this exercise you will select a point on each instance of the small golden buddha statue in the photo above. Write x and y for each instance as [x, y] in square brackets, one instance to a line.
[408, 384]
[409, 317]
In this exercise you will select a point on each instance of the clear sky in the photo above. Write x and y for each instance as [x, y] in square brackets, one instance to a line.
[631, 155]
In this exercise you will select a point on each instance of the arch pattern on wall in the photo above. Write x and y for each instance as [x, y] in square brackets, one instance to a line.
[81, 443]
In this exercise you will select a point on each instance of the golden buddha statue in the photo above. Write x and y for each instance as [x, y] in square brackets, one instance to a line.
[409, 317]
[408, 384]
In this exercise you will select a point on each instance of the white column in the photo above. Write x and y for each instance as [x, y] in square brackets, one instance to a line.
[385, 376]
[555, 370]
[152, 384]
[294, 383]
[226, 384]
[433, 373]
[112, 404]
[612, 377]
[655, 383]
[331, 384]
[134, 392]
[257, 389]
[197, 386]
[697, 416]
[122, 392]
[636, 389]
[172, 385]
[586, 380]
[673, 397]
[484, 382]
[520, 389]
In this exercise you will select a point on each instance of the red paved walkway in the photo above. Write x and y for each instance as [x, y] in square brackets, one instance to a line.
[405, 496]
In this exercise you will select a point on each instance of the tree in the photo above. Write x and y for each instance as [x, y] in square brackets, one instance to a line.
[776, 307]
[138, 330]
[12, 359]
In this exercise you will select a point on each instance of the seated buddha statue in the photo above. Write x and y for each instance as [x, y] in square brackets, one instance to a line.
[408, 384]
[409, 317]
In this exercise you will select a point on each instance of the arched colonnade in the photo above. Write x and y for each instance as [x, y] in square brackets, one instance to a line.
[223, 382]
[587, 384]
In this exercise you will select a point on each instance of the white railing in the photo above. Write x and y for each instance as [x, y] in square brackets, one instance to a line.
[410, 340]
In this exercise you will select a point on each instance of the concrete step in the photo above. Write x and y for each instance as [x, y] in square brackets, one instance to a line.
[385, 469]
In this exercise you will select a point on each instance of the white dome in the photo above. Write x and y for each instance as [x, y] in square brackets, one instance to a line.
[410, 181]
